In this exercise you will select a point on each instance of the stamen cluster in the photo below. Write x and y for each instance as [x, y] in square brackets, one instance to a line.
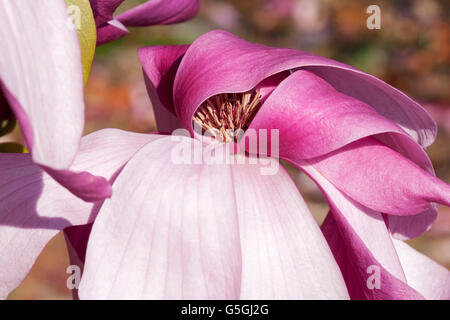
[225, 114]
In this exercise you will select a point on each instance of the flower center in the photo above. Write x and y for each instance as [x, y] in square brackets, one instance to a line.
[226, 116]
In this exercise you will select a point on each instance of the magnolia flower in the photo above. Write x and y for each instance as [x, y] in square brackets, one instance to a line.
[226, 231]
[199, 230]
[41, 84]
[149, 13]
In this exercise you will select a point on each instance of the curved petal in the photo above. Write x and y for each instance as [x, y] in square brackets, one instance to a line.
[104, 10]
[284, 255]
[171, 233]
[381, 179]
[205, 231]
[34, 207]
[82, 184]
[314, 119]
[160, 12]
[268, 85]
[41, 77]
[410, 227]
[235, 65]
[424, 278]
[160, 64]
[361, 245]
[41, 70]
[423, 274]
[368, 224]
[110, 31]
[388, 101]
[366, 277]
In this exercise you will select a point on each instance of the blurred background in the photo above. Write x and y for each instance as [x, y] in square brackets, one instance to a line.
[411, 51]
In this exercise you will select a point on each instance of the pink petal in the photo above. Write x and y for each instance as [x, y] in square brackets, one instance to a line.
[368, 225]
[171, 233]
[34, 207]
[104, 10]
[313, 118]
[160, 64]
[219, 62]
[40, 69]
[381, 179]
[423, 274]
[360, 240]
[160, 12]
[268, 85]
[410, 227]
[117, 143]
[41, 77]
[388, 101]
[360, 266]
[83, 184]
[205, 231]
[284, 255]
[110, 31]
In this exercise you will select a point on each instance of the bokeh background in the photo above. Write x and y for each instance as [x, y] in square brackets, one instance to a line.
[411, 51]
